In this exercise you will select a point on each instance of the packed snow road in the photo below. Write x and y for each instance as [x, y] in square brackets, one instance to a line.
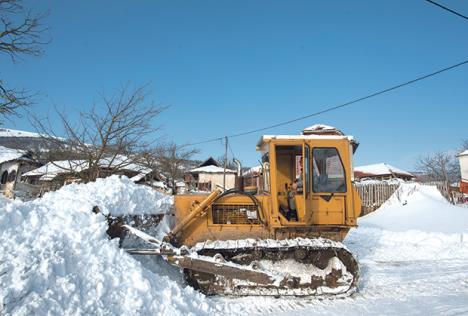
[55, 258]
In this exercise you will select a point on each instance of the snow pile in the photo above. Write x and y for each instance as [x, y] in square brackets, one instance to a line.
[56, 259]
[416, 223]
[418, 207]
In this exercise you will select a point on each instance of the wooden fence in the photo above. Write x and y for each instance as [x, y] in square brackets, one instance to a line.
[373, 195]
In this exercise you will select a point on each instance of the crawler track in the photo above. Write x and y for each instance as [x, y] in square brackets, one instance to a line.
[317, 267]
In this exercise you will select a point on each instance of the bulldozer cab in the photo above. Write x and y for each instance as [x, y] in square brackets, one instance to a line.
[310, 179]
[304, 190]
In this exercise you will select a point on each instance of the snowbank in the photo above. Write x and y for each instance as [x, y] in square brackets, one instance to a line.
[418, 207]
[56, 259]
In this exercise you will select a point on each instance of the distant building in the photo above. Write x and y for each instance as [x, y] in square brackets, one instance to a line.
[381, 171]
[463, 160]
[209, 175]
[56, 174]
[13, 163]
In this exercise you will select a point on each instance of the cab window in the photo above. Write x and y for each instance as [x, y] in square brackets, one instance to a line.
[328, 173]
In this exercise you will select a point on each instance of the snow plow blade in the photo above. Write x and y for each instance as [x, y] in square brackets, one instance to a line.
[299, 267]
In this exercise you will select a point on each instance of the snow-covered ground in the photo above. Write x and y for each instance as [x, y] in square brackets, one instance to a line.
[413, 254]
[55, 257]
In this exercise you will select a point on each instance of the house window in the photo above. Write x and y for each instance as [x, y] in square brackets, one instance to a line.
[4, 177]
[12, 176]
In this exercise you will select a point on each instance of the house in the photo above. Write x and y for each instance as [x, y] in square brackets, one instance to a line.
[381, 171]
[209, 175]
[13, 164]
[463, 160]
[54, 175]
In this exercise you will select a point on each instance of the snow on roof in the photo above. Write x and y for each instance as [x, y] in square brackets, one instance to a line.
[138, 177]
[381, 169]
[321, 129]
[52, 169]
[211, 169]
[463, 153]
[123, 162]
[316, 127]
[5, 132]
[158, 184]
[9, 154]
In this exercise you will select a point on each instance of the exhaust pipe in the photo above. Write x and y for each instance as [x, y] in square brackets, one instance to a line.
[239, 185]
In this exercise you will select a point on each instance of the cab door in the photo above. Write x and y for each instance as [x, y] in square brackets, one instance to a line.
[307, 178]
[328, 187]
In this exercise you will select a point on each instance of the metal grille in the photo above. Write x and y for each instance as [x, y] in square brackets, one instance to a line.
[235, 214]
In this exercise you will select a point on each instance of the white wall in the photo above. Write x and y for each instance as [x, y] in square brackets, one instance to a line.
[217, 178]
[19, 167]
[464, 167]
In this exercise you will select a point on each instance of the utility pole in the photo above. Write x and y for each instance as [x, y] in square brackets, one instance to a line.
[225, 161]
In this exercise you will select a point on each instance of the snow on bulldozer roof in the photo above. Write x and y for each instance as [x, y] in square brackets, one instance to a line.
[317, 131]
[261, 145]
[321, 129]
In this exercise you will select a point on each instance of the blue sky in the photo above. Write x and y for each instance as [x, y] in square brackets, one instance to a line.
[229, 66]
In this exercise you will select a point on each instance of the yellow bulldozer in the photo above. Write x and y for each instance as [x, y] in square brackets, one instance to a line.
[280, 237]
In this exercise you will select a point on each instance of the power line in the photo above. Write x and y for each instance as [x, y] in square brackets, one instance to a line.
[447, 9]
[336, 107]
[206, 141]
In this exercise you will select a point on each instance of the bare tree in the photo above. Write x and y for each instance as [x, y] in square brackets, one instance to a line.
[21, 33]
[172, 159]
[464, 145]
[108, 137]
[440, 166]
[230, 162]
